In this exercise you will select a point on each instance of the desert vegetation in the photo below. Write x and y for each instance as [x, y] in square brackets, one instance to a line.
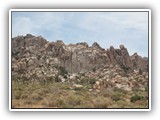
[67, 95]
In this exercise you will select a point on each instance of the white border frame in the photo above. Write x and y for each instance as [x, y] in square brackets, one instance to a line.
[88, 10]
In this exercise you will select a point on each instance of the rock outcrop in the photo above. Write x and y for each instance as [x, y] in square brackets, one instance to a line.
[36, 58]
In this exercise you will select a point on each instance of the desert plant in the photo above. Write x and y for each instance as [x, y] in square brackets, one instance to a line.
[136, 97]
[82, 74]
[92, 81]
[102, 102]
[94, 69]
[65, 76]
[116, 97]
[78, 88]
[62, 71]
[84, 80]
[49, 79]
[57, 79]
[140, 71]
[74, 100]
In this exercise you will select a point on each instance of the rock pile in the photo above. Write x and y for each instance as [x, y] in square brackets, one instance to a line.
[116, 78]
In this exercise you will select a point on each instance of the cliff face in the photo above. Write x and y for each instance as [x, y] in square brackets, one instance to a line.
[30, 52]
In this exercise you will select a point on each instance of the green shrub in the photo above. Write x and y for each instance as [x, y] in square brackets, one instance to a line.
[136, 97]
[84, 80]
[78, 88]
[116, 97]
[57, 78]
[65, 76]
[94, 69]
[49, 79]
[88, 86]
[92, 81]
[62, 71]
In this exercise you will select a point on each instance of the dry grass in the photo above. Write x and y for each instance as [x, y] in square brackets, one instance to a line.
[60, 95]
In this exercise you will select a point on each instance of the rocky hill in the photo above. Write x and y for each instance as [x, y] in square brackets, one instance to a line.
[36, 59]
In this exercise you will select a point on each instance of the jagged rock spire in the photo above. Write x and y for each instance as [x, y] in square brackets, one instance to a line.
[96, 45]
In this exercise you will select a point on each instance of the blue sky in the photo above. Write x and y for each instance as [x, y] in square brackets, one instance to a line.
[106, 28]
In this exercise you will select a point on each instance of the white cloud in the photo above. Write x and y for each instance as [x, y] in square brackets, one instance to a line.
[118, 20]
[107, 28]
[35, 22]
[129, 28]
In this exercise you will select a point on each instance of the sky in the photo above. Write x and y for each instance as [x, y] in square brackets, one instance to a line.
[105, 28]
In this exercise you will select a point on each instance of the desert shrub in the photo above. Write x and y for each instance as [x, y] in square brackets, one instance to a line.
[140, 71]
[92, 81]
[17, 95]
[105, 93]
[82, 74]
[125, 68]
[84, 80]
[49, 79]
[24, 95]
[140, 80]
[59, 102]
[49, 103]
[23, 79]
[102, 102]
[62, 71]
[74, 100]
[78, 88]
[123, 104]
[65, 76]
[88, 86]
[94, 69]
[54, 102]
[57, 78]
[35, 96]
[116, 97]
[14, 78]
[119, 90]
[136, 97]
[65, 86]
[77, 77]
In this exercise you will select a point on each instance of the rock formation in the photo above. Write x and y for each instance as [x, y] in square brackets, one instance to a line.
[37, 59]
